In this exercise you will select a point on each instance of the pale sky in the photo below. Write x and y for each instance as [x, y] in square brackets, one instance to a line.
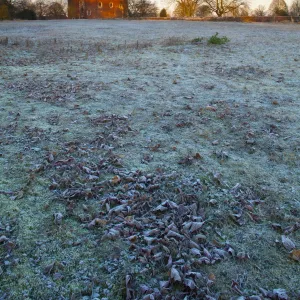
[253, 3]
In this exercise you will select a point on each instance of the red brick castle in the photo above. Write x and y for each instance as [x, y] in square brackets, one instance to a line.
[97, 9]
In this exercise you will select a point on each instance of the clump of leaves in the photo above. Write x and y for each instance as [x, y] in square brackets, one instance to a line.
[4, 41]
[216, 40]
[197, 40]
[173, 41]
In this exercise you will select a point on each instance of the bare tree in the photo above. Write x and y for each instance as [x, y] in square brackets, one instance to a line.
[221, 7]
[22, 4]
[55, 10]
[203, 11]
[40, 9]
[278, 8]
[243, 10]
[142, 8]
[186, 8]
[24, 9]
[260, 11]
[295, 8]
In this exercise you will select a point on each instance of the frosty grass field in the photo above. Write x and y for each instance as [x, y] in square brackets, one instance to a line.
[137, 160]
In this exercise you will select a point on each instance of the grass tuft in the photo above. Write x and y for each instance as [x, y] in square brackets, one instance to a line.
[215, 40]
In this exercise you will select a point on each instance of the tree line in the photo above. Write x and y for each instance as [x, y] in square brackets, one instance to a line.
[45, 9]
[28, 10]
[234, 8]
[220, 8]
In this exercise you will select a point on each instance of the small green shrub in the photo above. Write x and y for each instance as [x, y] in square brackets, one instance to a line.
[215, 40]
[26, 14]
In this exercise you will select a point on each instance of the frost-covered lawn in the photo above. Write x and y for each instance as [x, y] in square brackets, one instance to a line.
[136, 162]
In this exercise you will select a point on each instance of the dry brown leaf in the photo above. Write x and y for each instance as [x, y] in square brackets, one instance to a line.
[153, 187]
[242, 255]
[129, 290]
[58, 218]
[164, 284]
[197, 156]
[194, 274]
[38, 168]
[222, 253]
[187, 226]
[175, 276]
[195, 251]
[174, 234]
[293, 228]
[210, 108]
[160, 208]
[10, 246]
[277, 227]
[189, 283]
[149, 297]
[213, 202]
[170, 204]
[49, 269]
[173, 227]
[112, 234]
[50, 157]
[97, 221]
[287, 243]
[231, 251]
[200, 237]
[158, 256]
[86, 170]
[212, 277]
[128, 280]
[93, 177]
[192, 244]
[19, 195]
[150, 240]
[295, 255]
[133, 238]
[195, 226]
[170, 262]
[152, 232]
[115, 180]
[280, 294]
[57, 276]
[207, 253]
[64, 161]
[3, 238]
[145, 289]
[118, 209]
[154, 148]
[203, 260]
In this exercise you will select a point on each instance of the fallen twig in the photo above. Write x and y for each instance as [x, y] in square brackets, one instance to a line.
[7, 192]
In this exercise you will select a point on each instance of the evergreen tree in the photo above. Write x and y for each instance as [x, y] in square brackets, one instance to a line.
[163, 13]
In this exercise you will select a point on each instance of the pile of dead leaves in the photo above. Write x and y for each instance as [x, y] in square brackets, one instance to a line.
[164, 226]
[159, 216]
